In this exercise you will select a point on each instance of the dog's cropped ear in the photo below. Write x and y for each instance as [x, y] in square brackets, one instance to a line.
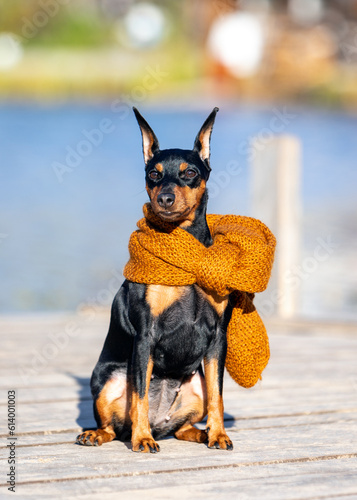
[150, 142]
[203, 138]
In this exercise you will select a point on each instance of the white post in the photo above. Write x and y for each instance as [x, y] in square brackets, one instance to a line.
[276, 200]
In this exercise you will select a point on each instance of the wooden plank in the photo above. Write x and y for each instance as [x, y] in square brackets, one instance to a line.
[111, 473]
[251, 445]
[51, 342]
[285, 483]
[298, 480]
[47, 378]
[290, 432]
[50, 394]
[320, 356]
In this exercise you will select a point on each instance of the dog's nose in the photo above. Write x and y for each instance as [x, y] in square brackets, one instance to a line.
[166, 200]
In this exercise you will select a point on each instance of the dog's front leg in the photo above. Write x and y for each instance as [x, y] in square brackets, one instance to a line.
[214, 368]
[142, 367]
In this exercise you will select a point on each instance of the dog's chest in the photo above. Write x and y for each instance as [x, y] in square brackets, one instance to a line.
[184, 322]
[161, 297]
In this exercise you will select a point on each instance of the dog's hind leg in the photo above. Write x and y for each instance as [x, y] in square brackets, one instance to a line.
[189, 432]
[111, 407]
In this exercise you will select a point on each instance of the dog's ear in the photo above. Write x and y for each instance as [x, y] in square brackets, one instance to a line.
[203, 138]
[150, 142]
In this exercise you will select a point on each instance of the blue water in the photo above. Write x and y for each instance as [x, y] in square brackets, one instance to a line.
[62, 243]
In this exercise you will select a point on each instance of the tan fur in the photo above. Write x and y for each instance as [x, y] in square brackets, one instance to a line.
[148, 141]
[183, 166]
[187, 200]
[112, 401]
[190, 433]
[139, 414]
[215, 420]
[192, 400]
[160, 297]
[204, 139]
[159, 167]
[219, 303]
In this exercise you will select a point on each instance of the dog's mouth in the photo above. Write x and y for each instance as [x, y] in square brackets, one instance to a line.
[169, 216]
[172, 216]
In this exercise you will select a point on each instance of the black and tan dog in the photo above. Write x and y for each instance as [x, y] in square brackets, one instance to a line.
[149, 381]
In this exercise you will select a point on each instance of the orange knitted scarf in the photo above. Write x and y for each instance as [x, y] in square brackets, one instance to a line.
[238, 263]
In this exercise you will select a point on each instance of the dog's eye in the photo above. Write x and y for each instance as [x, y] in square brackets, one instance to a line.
[190, 173]
[154, 175]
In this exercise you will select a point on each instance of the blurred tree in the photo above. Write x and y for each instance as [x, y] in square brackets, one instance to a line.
[49, 23]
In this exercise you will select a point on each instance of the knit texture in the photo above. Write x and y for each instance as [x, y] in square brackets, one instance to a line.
[238, 264]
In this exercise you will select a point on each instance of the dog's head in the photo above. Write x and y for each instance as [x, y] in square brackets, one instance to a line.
[176, 178]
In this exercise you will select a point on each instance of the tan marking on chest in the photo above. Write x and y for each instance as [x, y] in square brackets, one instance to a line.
[218, 302]
[160, 297]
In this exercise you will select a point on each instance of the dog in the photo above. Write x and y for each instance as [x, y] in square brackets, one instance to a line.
[149, 381]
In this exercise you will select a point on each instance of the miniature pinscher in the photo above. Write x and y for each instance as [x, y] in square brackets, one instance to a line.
[149, 382]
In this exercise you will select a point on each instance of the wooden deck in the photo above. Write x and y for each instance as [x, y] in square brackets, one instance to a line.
[294, 435]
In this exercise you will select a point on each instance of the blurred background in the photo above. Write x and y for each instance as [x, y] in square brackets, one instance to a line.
[71, 168]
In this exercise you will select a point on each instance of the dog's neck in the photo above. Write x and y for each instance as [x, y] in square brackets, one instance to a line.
[199, 227]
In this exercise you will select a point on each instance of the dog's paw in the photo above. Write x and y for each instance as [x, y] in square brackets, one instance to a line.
[145, 445]
[94, 438]
[219, 441]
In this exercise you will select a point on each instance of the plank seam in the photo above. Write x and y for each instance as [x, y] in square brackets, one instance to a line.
[340, 495]
[193, 469]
